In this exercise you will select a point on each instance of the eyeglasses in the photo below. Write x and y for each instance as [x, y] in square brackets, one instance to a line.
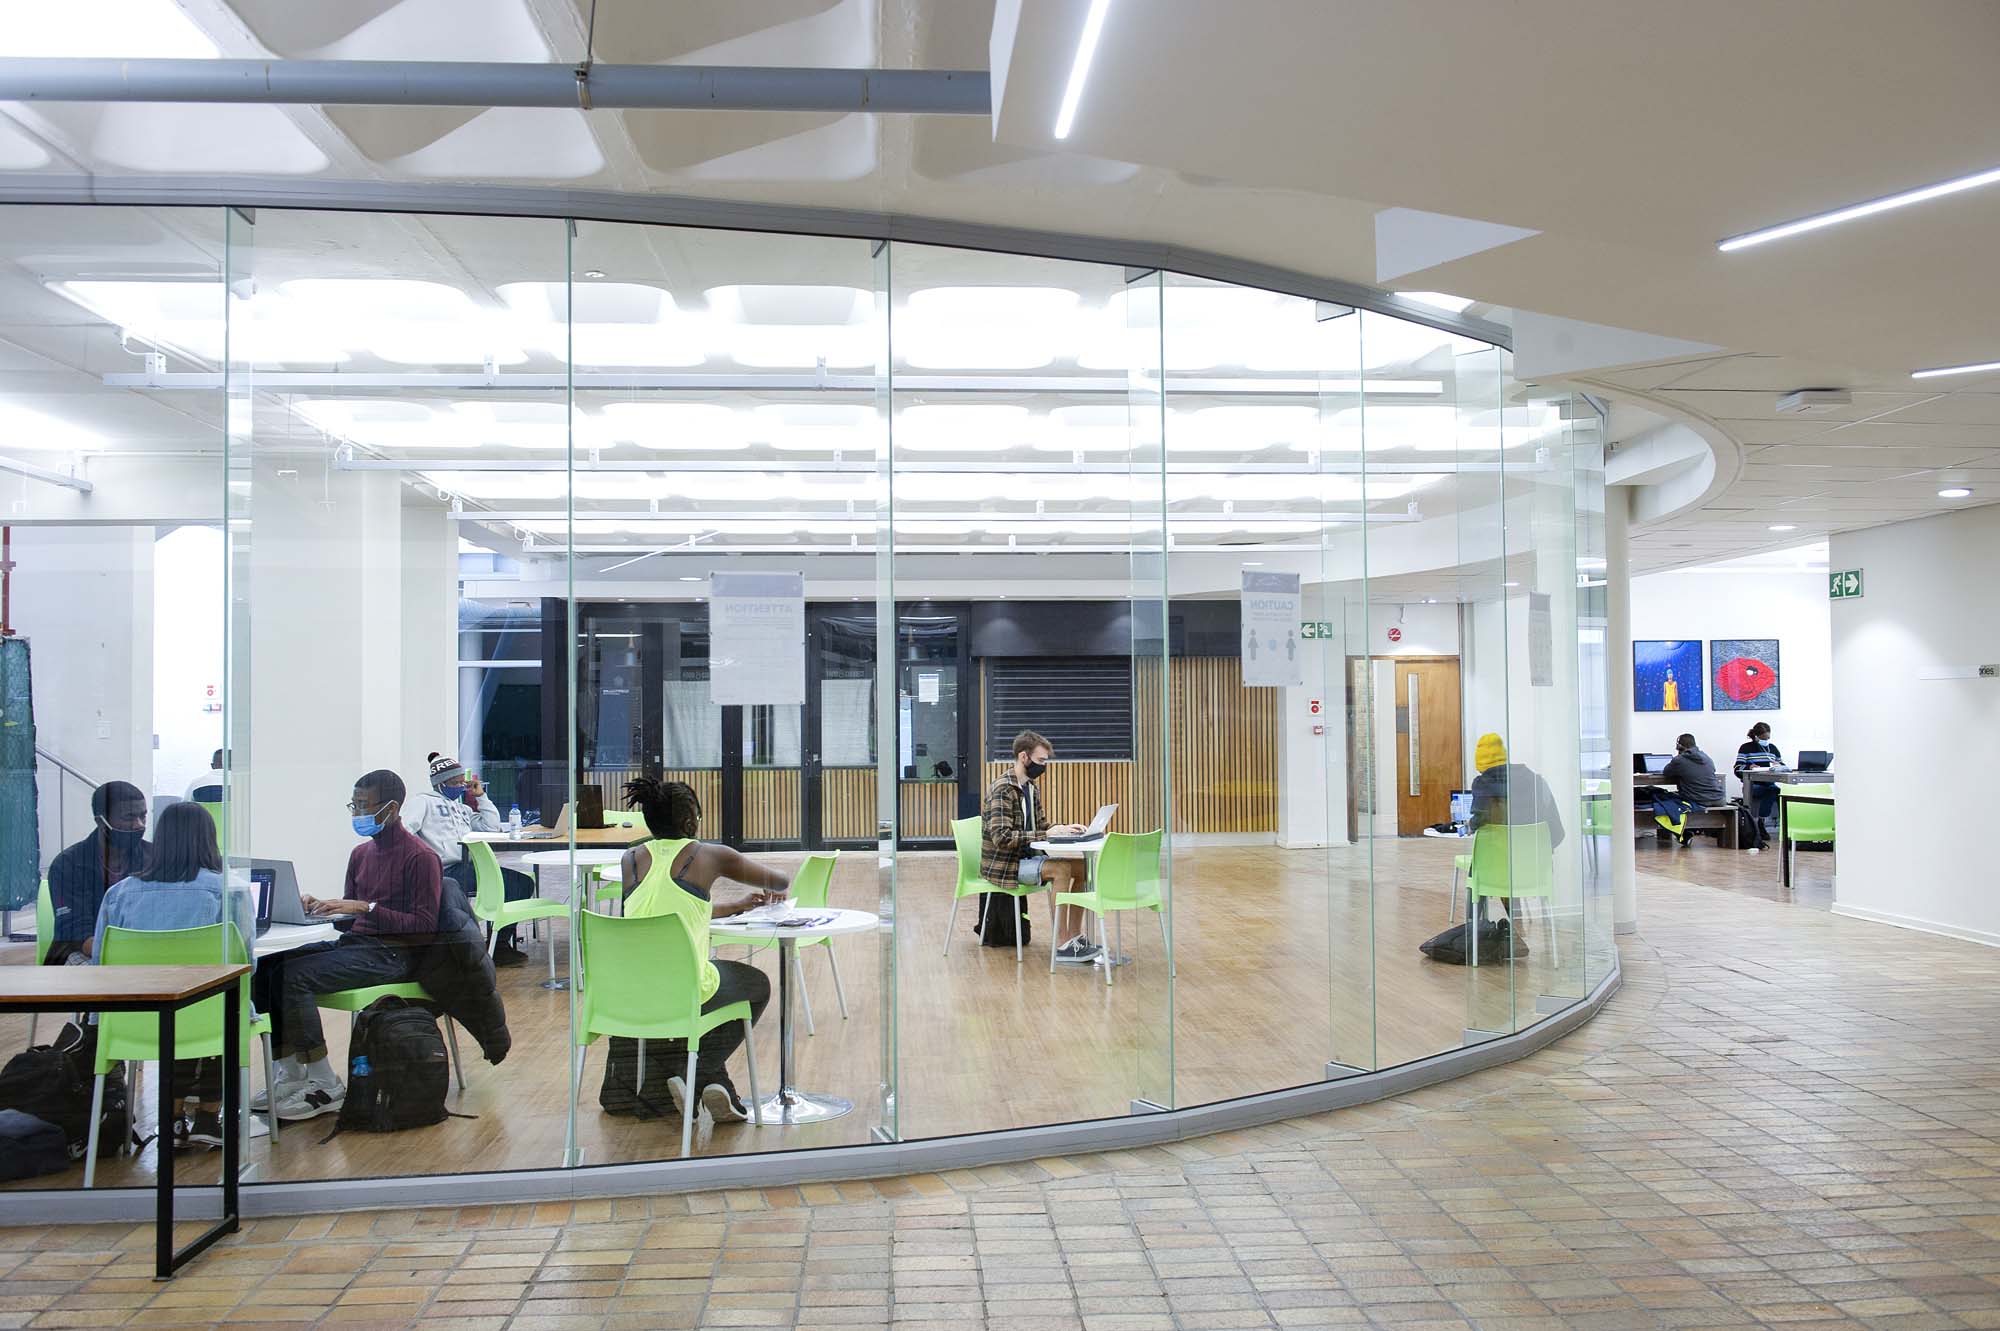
[354, 806]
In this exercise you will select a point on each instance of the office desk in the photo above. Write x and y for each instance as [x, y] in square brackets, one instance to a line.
[164, 991]
[594, 838]
[1762, 775]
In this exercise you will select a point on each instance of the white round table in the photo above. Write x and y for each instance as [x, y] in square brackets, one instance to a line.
[581, 857]
[791, 1105]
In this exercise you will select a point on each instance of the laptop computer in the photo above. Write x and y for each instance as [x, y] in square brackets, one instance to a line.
[277, 887]
[1815, 760]
[1656, 763]
[1098, 826]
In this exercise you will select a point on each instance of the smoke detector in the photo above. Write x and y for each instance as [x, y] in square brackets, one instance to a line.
[1813, 401]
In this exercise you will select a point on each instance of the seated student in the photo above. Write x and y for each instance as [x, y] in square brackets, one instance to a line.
[1010, 822]
[79, 877]
[674, 874]
[207, 788]
[1510, 794]
[441, 816]
[181, 887]
[389, 903]
[1758, 751]
[1696, 786]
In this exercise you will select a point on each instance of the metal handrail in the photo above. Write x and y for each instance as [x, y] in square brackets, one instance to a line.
[62, 794]
[60, 765]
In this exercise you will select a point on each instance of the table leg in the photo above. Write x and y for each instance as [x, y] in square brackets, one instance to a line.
[163, 1148]
[791, 1105]
[575, 889]
[232, 1102]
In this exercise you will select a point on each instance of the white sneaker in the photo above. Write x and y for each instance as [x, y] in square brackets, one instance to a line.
[260, 1103]
[704, 1122]
[311, 1100]
[723, 1104]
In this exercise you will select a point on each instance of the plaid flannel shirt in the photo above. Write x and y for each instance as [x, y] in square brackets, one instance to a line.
[1005, 831]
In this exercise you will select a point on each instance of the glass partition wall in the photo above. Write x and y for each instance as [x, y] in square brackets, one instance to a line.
[801, 534]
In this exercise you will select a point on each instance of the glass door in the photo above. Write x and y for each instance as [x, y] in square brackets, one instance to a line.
[840, 772]
[934, 732]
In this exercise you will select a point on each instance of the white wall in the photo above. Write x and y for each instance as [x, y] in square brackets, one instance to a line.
[187, 681]
[1422, 630]
[430, 636]
[83, 597]
[1916, 753]
[1312, 769]
[1791, 607]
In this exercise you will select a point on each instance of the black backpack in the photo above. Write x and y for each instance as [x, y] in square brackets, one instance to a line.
[1496, 944]
[999, 916]
[52, 1082]
[29, 1147]
[397, 1070]
[621, 1093]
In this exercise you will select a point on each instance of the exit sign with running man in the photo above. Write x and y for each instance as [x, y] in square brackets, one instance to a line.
[1844, 585]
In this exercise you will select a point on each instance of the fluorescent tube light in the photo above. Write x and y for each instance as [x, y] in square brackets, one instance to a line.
[1943, 370]
[1955, 492]
[1784, 526]
[1079, 73]
[1849, 214]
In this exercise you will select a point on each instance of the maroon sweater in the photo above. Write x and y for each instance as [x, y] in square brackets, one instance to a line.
[401, 875]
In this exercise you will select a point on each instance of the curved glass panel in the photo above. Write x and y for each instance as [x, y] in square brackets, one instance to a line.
[1123, 677]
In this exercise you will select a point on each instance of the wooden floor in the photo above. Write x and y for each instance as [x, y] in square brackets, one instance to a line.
[1282, 967]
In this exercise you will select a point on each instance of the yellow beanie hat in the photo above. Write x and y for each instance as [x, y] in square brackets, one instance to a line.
[1492, 752]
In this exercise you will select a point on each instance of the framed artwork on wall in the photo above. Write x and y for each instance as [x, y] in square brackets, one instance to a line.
[1666, 675]
[1745, 671]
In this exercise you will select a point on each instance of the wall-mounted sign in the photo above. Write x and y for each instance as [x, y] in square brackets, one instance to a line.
[1395, 635]
[1844, 585]
[1271, 630]
[757, 639]
[1316, 628]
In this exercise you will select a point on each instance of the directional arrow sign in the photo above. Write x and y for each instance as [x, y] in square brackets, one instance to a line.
[1843, 584]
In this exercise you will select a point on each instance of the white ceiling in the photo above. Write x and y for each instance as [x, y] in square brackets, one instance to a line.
[1626, 136]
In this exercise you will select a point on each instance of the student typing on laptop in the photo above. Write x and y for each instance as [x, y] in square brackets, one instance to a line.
[1012, 819]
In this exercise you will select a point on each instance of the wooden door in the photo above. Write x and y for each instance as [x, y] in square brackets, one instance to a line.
[1430, 747]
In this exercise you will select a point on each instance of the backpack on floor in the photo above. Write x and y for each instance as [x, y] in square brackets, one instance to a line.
[999, 916]
[1496, 944]
[30, 1147]
[621, 1092]
[52, 1082]
[1750, 833]
[397, 1070]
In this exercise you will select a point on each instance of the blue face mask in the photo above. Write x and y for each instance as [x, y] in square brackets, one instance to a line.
[454, 793]
[369, 824]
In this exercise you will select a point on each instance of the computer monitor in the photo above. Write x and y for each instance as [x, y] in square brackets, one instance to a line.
[264, 882]
[1815, 760]
[1656, 763]
[1461, 807]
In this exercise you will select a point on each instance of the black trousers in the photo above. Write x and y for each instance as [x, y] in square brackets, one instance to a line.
[1763, 799]
[741, 982]
[288, 989]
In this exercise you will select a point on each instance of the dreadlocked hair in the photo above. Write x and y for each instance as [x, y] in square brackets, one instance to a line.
[672, 809]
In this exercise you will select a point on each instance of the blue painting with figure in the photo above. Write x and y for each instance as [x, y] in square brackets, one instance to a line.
[1666, 675]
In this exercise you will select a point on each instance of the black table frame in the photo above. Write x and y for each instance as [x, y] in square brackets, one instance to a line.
[1785, 831]
[165, 1260]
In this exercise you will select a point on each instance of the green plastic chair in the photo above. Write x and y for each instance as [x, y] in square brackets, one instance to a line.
[1127, 878]
[1596, 816]
[1517, 862]
[134, 1037]
[808, 892]
[965, 833]
[215, 816]
[641, 979]
[1804, 822]
[352, 1001]
[490, 904]
[45, 938]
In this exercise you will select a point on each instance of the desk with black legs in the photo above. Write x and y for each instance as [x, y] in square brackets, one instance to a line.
[164, 990]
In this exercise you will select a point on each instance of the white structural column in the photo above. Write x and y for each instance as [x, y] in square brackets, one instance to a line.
[1618, 663]
[430, 636]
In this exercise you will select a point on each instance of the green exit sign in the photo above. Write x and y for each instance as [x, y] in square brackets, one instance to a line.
[1844, 585]
[1316, 628]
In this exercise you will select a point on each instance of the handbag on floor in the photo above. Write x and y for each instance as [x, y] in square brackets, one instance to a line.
[52, 1082]
[1496, 944]
[30, 1146]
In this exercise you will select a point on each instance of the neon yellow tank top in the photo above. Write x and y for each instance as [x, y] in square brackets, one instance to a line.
[659, 894]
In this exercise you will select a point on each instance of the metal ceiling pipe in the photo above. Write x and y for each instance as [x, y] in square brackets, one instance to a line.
[491, 84]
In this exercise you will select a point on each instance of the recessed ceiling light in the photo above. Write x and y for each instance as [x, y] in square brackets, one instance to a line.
[1253, 563]
[1784, 526]
[1079, 72]
[593, 272]
[690, 579]
[1869, 209]
[1942, 370]
[1954, 492]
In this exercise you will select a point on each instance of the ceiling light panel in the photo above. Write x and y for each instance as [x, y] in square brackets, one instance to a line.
[985, 328]
[106, 30]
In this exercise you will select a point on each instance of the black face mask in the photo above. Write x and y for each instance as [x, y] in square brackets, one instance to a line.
[1034, 769]
[123, 840]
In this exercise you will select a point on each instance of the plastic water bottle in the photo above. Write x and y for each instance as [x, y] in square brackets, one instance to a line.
[360, 1068]
[514, 818]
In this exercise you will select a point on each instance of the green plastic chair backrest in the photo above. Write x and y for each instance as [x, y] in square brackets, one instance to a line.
[965, 835]
[814, 878]
[1596, 808]
[45, 922]
[489, 889]
[1513, 861]
[641, 977]
[215, 816]
[1809, 822]
[197, 1029]
[1128, 870]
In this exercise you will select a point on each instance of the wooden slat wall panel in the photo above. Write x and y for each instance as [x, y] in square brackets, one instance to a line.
[707, 783]
[847, 804]
[1224, 755]
[928, 808]
[771, 803]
